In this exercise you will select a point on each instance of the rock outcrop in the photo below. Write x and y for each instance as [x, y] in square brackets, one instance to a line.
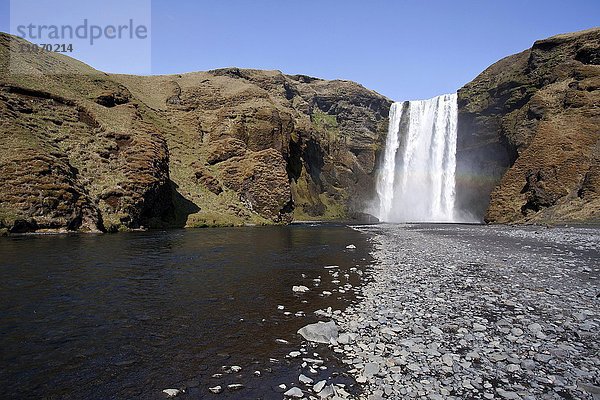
[529, 134]
[71, 158]
[88, 151]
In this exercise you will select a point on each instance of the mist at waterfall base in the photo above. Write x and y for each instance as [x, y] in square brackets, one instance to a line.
[416, 181]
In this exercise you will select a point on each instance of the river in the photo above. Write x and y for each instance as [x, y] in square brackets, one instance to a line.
[130, 314]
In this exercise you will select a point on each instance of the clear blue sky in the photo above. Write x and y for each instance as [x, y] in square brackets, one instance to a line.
[403, 49]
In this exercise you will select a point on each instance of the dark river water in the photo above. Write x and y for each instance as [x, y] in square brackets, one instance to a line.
[125, 316]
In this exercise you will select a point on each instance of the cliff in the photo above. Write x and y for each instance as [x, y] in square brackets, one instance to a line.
[529, 135]
[83, 150]
[89, 151]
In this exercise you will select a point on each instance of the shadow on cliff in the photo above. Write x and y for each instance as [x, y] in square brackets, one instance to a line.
[175, 209]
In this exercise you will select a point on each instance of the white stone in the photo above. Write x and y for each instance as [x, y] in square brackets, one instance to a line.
[319, 386]
[534, 328]
[300, 289]
[344, 338]
[171, 392]
[508, 395]
[294, 392]
[478, 327]
[447, 359]
[436, 331]
[327, 392]
[512, 367]
[371, 369]
[321, 332]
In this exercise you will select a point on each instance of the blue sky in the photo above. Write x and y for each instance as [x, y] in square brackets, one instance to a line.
[403, 49]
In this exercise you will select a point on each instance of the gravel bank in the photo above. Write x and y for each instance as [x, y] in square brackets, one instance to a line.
[476, 312]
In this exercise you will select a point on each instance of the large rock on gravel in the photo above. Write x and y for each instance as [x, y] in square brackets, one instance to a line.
[321, 332]
[294, 393]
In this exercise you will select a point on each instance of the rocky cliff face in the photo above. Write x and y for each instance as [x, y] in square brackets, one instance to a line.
[85, 150]
[88, 151]
[529, 134]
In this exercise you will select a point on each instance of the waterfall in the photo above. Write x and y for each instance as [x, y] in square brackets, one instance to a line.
[416, 182]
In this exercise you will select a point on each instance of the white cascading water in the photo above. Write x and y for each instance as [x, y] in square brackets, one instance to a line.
[416, 182]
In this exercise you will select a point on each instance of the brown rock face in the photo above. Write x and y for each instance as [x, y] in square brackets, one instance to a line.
[280, 146]
[262, 183]
[529, 134]
[84, 150]
[60, 170]
[44, 193]
[89, 151]
[78, 153]
[224, 149]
